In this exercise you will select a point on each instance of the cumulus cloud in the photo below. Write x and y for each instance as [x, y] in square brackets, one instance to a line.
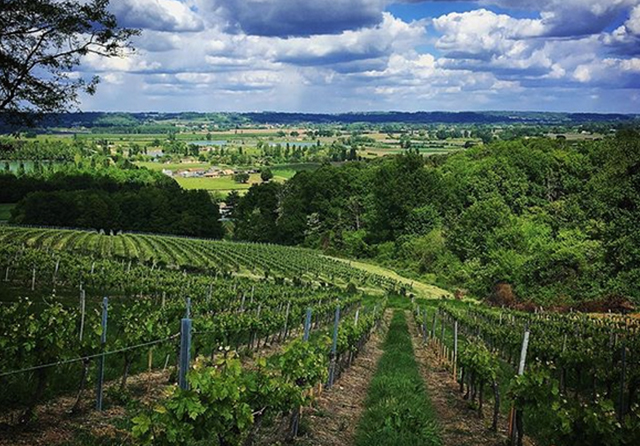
[157, 15]
[353, 54]
[482, 34]
[564, 18]
[626, 38]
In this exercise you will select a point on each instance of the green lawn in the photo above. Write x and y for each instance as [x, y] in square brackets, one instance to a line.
[284, 174]
[5, 211]
[219, 184]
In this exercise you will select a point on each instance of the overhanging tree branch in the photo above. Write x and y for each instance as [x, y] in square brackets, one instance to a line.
[41, 41]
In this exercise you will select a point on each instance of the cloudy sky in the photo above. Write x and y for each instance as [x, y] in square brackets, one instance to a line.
[361, 55]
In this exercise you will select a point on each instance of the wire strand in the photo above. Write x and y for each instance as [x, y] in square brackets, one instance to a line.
[82, 358]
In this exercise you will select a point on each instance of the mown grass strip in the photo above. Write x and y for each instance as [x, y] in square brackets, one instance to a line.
[398, 411]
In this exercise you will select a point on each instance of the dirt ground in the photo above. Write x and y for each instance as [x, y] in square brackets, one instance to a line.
[460, 425]
[56, 425]
[334, 418]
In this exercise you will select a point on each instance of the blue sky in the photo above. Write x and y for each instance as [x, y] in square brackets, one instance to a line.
[363, 55]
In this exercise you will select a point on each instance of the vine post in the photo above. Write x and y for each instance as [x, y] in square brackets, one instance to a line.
[103, 342]
[334, 348]
[515, 416]
[455, 350]
[185, 352]
[307, 324]
[82, 312]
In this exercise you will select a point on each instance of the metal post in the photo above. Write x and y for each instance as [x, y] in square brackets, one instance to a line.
[82, 312]
[523, 352]
[55, 272]
[307, 324]
[334, 348]
[185, 352]
[515, 416]
[355, 322]
[103, 341]
[286, 321]
[187, 313]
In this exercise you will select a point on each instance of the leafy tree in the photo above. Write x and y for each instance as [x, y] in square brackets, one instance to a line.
[468, 238]
[41, 41]
[266, 174]
[241, 177]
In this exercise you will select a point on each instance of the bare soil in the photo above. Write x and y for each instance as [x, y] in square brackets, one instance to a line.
[460, 424]
[333, 419]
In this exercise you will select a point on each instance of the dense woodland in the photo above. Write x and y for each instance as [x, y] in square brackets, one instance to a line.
[111, 199]
[551, 222]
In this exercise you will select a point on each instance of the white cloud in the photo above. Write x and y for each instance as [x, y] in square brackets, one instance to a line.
[158, 15]
[287, 54]
[481, 33]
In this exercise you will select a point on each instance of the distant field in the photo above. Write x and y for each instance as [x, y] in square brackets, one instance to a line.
[283, 174]
[226, 183]
[5, 211]
[217, 184]
[172, 166]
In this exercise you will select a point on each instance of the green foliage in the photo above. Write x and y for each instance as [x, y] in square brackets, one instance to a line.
[556, 220]
[241, 177]
[42, 42]
[567, 421]
[220, 403]
[266, 174]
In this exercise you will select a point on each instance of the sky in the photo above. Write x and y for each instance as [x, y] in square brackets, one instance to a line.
[330, 56]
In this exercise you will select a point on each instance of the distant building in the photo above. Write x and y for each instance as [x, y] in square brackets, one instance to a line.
[191, 173]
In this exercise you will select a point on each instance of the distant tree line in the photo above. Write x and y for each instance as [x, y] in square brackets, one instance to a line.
[111, 199]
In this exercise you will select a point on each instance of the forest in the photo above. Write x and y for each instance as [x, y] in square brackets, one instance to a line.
[109, 199]
[531, 221]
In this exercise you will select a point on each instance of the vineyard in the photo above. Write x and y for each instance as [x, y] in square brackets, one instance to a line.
[562, 379]
[189, 341]
[217, 257]
[84, 314]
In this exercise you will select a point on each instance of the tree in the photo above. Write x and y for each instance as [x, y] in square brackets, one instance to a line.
[41, 41]
[241, 177]
[266, 174]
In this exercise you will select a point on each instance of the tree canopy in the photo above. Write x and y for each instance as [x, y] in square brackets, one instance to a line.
[41, 42]
[555, 220]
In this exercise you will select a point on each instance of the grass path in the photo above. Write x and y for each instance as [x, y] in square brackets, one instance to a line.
[398, 410]
[423, 289]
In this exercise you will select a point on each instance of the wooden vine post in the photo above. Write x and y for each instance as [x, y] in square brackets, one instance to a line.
[455, 350]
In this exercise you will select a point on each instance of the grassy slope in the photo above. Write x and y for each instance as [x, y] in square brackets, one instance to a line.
[398, 411]
[423, 289]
